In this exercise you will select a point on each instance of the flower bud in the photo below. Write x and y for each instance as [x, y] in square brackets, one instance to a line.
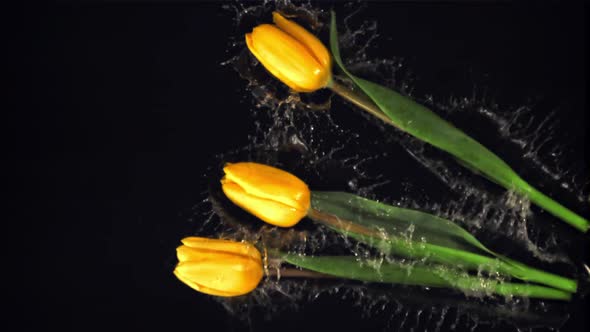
[219, 267]
[291, 54]
[271, 194]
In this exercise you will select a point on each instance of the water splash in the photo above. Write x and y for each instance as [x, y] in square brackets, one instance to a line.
[317, 135]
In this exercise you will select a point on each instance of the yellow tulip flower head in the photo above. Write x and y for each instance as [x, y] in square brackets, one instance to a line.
[219, 267]
[273, 195]
[291, 54]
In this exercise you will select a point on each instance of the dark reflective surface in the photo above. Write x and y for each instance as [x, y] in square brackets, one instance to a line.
[127, 113]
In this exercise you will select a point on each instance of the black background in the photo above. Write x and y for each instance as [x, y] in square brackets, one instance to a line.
[121, 106]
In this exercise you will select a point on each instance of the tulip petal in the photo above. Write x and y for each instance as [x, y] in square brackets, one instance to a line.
[311, 42]
[287, 59]
[269, 66]
[200, 288]
[272, 212]
[217, 245]
[185, 254]
[269, 183]
[219, 267]
[225, 273]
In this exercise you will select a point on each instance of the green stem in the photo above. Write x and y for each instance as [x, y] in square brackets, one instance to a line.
[429, 276]
[488, 164]
[296, 273]
[556, 209]
[440, 254]
[360, 100]
[473, 261]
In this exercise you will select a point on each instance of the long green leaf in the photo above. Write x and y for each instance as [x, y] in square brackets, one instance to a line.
[418, 235]
[407, 223]
[419, 275]
[425, 125]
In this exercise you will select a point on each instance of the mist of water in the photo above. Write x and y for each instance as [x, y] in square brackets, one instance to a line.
[313, 135]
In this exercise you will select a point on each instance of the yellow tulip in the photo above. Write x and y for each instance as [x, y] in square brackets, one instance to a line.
[219, 267]
[291, 54]
[273, 195]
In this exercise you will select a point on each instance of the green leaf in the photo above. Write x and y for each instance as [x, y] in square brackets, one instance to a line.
[418, 235]
[394, 221]
[418, 275]
[422, 123]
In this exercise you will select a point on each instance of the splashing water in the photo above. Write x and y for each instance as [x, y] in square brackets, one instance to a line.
[333, 147]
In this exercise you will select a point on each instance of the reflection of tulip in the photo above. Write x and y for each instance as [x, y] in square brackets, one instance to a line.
[219, 267]
[271, 194]
[291, 53]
